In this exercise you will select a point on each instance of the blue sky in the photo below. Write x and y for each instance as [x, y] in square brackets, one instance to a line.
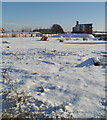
[18, 15]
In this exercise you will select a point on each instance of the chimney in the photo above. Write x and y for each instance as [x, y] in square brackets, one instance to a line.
[77, 22]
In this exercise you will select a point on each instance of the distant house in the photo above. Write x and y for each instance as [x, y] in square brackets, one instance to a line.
[82, 28]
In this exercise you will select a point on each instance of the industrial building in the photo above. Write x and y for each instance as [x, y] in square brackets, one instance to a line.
[82, 28]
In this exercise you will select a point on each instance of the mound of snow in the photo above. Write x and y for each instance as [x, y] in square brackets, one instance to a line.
[90, 36]
[83, 35]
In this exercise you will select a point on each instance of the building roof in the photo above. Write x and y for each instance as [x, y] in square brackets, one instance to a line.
[85, 24]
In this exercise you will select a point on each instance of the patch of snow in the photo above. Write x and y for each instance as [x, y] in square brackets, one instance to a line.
[65, 70]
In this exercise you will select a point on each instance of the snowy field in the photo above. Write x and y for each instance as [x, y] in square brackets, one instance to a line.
[60, 74]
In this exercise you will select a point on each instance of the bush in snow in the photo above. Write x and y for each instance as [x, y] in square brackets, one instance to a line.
[19, 104]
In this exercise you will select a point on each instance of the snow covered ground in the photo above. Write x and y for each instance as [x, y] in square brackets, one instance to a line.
[65, 70]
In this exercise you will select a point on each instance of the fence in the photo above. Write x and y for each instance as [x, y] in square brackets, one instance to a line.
[9, 35]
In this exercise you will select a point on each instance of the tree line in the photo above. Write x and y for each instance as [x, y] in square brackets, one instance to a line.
[52, 30]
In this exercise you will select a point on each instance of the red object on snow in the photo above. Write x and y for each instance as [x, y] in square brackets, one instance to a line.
[44, 38]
